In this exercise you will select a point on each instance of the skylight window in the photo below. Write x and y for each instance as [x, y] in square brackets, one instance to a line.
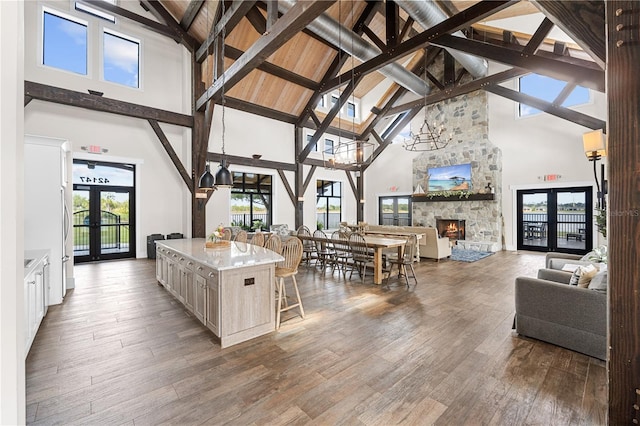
[121, 59]
[64, 44]
[548, 89]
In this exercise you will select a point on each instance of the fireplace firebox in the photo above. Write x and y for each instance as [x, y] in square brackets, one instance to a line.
[451, 228]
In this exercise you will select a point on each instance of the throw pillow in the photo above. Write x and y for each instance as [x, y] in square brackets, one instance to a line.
[582, 276]
[600, 281]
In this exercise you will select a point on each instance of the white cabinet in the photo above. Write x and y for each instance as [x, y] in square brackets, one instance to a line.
[35, 285]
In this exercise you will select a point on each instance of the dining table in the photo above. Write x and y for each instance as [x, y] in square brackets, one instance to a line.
[378, 244]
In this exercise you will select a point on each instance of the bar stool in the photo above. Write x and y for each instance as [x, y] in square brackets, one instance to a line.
[292, 253]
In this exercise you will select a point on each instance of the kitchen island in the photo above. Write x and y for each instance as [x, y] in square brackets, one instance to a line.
[229, 289]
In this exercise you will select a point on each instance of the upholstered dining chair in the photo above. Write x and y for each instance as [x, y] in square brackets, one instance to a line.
[274, 243]
[406, 261]
[360, 253]
[258, 239]
[292, 253]
[241, 236]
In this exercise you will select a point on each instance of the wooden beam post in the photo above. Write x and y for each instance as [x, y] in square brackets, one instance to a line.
[623, 92]
[299, 187]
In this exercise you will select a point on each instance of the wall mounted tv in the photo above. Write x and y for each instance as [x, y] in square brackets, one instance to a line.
[450, 178]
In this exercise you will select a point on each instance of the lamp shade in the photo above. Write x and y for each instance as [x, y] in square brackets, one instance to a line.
[207, 180]
[594, 144]
[223, 176]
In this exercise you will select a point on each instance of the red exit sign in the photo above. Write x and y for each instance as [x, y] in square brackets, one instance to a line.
[551, 178]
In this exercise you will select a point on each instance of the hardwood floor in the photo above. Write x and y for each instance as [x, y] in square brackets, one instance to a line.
[121, 350]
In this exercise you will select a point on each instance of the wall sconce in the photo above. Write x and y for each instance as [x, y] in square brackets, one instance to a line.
[595, 147]
[362, 201]
[300, 198]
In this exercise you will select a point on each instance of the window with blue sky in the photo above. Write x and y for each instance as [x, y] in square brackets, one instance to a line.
[121, 59]
[548, 89]
[64, 43]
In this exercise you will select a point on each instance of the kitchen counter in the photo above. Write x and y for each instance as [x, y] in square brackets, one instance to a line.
[229, 289]
[36, 257]
[236, 255]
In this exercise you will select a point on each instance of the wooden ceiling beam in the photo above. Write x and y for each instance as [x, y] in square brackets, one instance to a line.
[584, 75]
[186, 39]
[556, 110]
[392, 21]
[463, 19]
[252, 162]
[232, 16]
[365, 17]
[62, 96]
[538, 37]
[292, 22]
[275, 70]
[147, 23]
[172, 153]
[451, 92]
[583, 21]
[257, 20]
[190, 13]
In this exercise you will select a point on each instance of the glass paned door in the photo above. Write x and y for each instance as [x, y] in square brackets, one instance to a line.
[395, 211]
[555, 220]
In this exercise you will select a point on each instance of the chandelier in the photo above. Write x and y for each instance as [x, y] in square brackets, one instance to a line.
[428, 138]
[351, 153]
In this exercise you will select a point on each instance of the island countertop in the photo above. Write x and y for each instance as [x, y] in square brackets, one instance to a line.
[236, 255]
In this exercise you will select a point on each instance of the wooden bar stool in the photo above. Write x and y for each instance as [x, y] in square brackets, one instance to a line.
[292, 253]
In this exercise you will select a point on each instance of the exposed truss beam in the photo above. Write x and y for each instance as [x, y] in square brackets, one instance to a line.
[538, 37]
[588, 74]
[149, 24]
[564, 93]
[307, 180]
[365, 17]
[172, 154]
[290, 23]
[451, 92]
[61, 96]
[244, 161]
[583, 21]
[463, 19]
[561, 112]
[320, 163]
[170, 21]
[257, 20]
[285, 182]
[190, 14]
[231, 17]
[330, 116]
[274, 70]
[392, 23]
[354, 189]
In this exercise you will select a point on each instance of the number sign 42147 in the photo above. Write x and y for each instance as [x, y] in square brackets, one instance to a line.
[86, 179]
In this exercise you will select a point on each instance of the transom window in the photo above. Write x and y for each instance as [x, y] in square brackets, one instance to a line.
[328, 204]
[251, 201]
[548, 89]
[83, 7]
[64, 44]
[315, 145]
[328, 146]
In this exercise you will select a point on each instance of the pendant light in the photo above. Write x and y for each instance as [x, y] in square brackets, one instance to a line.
[207, 181]
[223, 175]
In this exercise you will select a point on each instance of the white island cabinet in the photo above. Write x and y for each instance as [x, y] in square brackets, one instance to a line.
[36, 290]
[230, 290]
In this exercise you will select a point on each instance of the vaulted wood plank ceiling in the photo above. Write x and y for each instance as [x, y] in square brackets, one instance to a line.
[283, 85]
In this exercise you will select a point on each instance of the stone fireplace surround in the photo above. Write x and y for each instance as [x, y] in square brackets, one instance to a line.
[466, 116]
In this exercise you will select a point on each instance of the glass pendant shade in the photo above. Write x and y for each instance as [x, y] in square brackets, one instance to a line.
[223, 176]
[207, 181]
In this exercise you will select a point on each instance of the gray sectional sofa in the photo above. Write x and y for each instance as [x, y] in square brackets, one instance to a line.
[551, 310]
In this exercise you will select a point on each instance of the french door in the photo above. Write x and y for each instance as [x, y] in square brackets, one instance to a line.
[557, 219]
[103, 214]
[395, 210]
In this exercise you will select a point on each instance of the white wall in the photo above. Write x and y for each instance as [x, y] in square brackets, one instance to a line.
[163, 200]
[12, 324]
[536, 146]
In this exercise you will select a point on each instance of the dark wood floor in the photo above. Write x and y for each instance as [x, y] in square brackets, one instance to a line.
[121, 350]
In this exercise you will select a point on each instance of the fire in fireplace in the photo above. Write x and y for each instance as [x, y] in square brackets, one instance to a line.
[451, 228]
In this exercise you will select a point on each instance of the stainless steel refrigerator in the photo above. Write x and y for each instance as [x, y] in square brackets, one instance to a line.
[47, 220]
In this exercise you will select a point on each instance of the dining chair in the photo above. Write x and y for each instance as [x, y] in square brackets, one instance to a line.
[344, 258]
[274, 243]
[308, 246]
[360, 253]
[292, 253]
[226, 234]
[258, 239]
[405, 262]
[241, 236]
[324, 250]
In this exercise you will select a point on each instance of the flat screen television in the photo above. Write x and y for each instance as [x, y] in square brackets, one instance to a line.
[450, 178]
